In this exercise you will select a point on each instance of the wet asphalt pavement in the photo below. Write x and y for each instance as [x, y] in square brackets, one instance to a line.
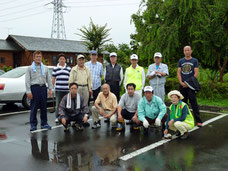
[206, 148]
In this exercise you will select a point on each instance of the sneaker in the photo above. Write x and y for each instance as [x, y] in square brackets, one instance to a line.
[45, 126]
[66, 129]
[56, 120]
[86, 124]
[120, 126]
[184, 136]
[135, 127]
[107, 120]
[167, 136]
[3, 136]
[129, 122]
[178, 134]
[96, 125]
[146, 131]
[114, 125]
[33, 128]
[199, 124]
[78, 127]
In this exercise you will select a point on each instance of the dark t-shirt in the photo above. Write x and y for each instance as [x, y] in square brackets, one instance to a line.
[187, 67]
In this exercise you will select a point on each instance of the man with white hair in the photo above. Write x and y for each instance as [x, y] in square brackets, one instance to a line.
[156, 74]
[135, 74]
[107, 109]
[151, 110]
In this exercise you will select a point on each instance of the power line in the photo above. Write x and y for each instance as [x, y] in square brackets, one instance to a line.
[4, 9]
[21, 11]
[24, 16]
[7, 2]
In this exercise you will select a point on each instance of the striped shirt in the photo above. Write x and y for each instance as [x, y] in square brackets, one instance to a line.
[61, 77]
[96, 72]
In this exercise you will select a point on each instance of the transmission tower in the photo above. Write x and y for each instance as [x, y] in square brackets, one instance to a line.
[58, 28]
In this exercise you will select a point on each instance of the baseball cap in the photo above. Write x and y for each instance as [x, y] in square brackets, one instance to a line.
[148, 88]
[158, 54]
[80, 56]
[134, 56]
[93, 52]
[113, 54]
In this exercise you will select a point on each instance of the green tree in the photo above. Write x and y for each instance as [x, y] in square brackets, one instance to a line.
[168, 26]
[123, 53]
[212, 35]
[164, 26]
[95, 36]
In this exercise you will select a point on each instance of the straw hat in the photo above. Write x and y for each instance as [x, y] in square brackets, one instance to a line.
[176, 92]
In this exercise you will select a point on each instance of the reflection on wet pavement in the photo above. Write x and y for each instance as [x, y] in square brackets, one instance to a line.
[100, 149]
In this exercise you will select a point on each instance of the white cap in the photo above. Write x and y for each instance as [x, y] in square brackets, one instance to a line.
[148, 88]
[80, 56]
[134, 56]
[113, 54]
[158, 54]
[176, 92]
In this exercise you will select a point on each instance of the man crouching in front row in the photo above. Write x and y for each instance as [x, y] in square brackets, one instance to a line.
[107, 109]
[72, 108]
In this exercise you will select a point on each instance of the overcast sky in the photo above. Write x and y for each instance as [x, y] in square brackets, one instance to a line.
[34, 18]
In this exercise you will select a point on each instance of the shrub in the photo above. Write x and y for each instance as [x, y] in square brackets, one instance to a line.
[209, 89]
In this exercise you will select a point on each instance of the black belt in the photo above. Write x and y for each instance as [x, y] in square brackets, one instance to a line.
[40, 85]
[81, 85]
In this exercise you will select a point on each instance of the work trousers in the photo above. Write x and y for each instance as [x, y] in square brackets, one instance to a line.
[190, 95]
[96, 113]
[180, 126]
[84, 93]
[115, 88]
[159, 90]
[58, 98]
[78, 119]
[39, 100]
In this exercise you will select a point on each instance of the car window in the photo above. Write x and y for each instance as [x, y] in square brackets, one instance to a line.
[14, 73]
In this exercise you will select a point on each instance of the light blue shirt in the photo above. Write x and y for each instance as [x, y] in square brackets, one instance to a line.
[161, 68]
[156, 108]
[96, 73]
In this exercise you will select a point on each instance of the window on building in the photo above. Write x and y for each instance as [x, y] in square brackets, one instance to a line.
[70, 60]
[2, 60]
[54, 60]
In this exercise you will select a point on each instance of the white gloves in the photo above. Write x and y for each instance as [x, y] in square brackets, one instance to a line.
[157, 122]
[152, 73]
[146, 123]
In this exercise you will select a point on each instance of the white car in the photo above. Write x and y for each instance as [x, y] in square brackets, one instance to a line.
[12, 86]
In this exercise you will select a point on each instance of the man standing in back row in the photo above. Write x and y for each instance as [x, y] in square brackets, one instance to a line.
[60, 77]
[36, 78]
[96, 69]
[156, 74]
[189, 67]
[135, 74]
[113, 75]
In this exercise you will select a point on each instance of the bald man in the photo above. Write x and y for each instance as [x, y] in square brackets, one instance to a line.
[189, 67]
[107, 107]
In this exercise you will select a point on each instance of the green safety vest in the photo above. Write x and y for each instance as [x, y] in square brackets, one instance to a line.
[174, 114]
[135, 76]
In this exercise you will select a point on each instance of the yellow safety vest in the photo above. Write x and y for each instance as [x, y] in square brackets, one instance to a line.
[178, 112]
[135, 76]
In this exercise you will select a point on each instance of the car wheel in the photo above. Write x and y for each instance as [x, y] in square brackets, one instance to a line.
[26, 102]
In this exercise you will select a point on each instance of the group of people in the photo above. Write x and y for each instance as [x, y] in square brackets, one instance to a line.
[75, 87]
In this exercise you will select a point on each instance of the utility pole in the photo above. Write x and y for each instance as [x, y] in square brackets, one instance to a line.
[58, 28]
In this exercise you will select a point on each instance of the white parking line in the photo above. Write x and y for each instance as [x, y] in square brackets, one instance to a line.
[159, 143]
[53, 127]
[15, 113]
